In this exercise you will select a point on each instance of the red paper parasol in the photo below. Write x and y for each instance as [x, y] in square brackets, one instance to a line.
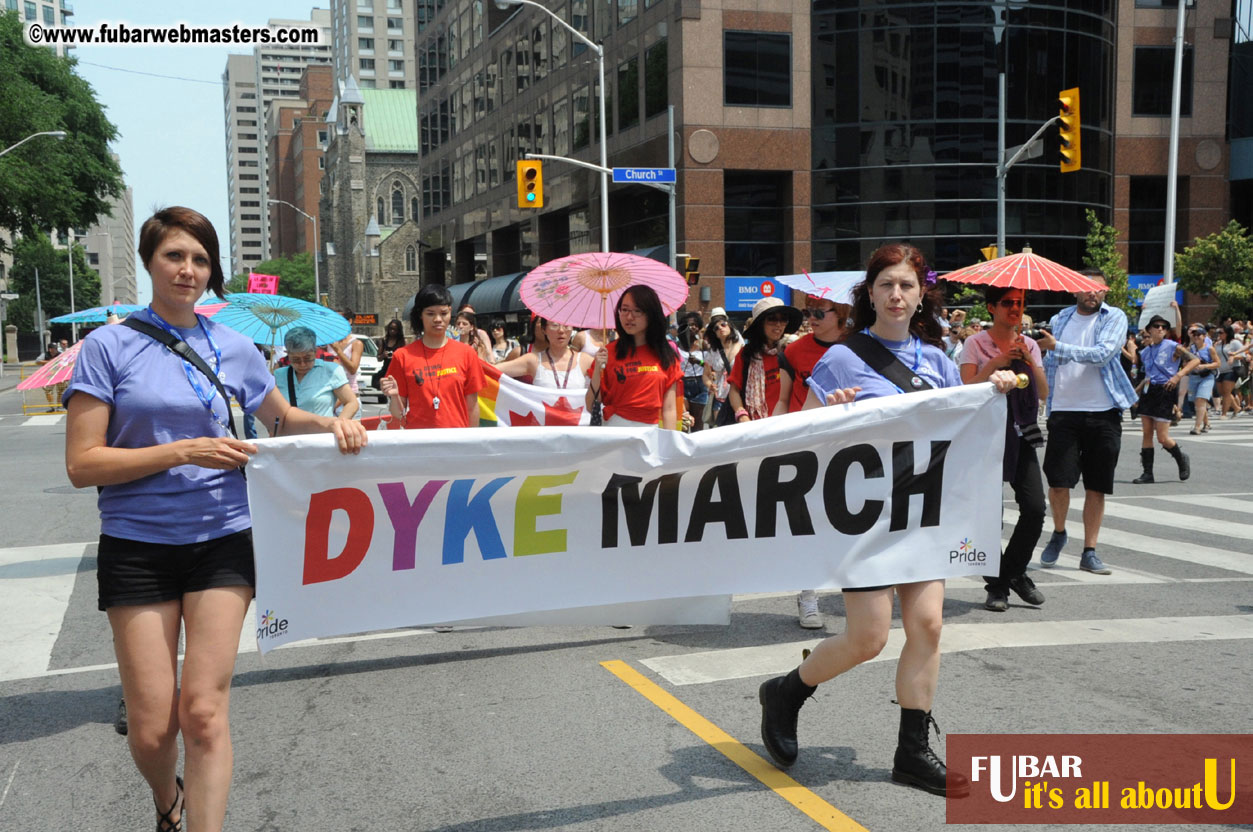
[55, 371]
[1025, 270]
[583, 289]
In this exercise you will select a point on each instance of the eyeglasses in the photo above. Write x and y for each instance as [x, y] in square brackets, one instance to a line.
[628, 312]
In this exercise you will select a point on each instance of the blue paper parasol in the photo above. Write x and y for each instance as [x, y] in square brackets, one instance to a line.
[833, 286]
[267, 318]
[96, 314]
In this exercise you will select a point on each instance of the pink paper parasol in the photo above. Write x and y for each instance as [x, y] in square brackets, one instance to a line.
[583, 289]
[55, 371]
[1025, 270]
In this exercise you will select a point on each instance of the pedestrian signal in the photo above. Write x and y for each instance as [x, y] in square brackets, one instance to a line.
[530, 184]
[691, 270]
[1068, 129]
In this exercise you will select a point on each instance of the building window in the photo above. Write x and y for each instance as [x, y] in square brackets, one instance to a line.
[656, 79]
[1146, 225]
[629, 93]
[395, 85]
[395, 45]
[398, 203]
[413, 207]
[411, 259]
[32, 12]
[93, 258]
[365, 44]
[50, 16]
[757, 69]
[367, 64]
[627, 11]
[1154, 80]
[395, 24]
[380, 217]
[365, 23]
[395, 66]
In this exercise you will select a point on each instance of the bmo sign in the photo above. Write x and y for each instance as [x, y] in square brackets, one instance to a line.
[743, 292]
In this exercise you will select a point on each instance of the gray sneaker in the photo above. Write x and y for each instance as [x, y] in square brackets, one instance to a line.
[1048, 558]
[1089, 562]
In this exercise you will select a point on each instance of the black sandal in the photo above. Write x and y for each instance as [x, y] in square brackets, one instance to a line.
[164, 823]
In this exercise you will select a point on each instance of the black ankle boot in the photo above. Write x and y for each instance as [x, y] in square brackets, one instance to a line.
[916, 764]
[1185, 468]
[1146, 460]
[781, 699]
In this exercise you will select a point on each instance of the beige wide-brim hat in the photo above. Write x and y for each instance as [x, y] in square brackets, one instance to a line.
[765, 305]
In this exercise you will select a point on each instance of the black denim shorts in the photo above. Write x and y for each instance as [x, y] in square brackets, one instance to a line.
[133, 572]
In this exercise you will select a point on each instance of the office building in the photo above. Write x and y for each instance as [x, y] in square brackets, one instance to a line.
[374, 42]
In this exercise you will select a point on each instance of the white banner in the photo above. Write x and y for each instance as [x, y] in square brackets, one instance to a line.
[427, 527]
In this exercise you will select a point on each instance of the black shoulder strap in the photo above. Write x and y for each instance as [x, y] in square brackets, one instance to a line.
[880, 359]
[183, 350]
[291, 386]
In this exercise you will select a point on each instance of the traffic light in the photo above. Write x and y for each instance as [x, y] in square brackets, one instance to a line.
[989, 252]
[530, 184]
[1068, 129]
[691, 269]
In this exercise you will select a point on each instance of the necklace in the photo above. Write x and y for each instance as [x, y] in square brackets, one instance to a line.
[569, 366]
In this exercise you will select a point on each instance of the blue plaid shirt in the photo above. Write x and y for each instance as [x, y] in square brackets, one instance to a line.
[1111, 334]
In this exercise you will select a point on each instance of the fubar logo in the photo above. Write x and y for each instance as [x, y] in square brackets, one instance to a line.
[967, 553]
[271, 625]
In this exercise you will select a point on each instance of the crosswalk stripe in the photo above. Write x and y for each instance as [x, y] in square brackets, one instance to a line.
[43, 421]
[1178, 520]
[1161, 547]
[34, 594]
[774, 659]
[1208, 501]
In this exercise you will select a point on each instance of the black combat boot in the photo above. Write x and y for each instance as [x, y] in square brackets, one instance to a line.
[781, 699]
[916, 764]
[1146, 460]
[1185, 468]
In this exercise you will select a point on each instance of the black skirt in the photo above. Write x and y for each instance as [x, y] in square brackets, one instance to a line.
[1158, 402]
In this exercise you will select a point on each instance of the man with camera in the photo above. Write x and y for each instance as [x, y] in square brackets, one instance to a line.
[1087, 392]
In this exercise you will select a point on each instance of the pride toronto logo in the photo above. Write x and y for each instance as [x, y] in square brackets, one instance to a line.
[967, 552]
[271, 625]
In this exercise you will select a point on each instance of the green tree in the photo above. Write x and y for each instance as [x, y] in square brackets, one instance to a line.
[1221, 266]
[295, 276]
[47, 183]
[1102, 255]
[36, 252]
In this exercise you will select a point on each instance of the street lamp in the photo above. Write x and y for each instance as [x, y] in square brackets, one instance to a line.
[317, 283]
[600, 66]
[59, 134]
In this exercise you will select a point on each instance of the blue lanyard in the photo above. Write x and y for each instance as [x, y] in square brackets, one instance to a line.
[193, 375]
[917, 354]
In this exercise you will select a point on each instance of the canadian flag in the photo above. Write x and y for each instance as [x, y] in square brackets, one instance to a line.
[505, 401]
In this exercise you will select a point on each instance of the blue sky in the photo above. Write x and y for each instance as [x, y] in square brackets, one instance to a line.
[171, 139]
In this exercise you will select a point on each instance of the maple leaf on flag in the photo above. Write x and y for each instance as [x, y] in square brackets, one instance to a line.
[518, 419]
[562, 413]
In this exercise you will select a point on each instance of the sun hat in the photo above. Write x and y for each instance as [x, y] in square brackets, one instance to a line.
[765, 305]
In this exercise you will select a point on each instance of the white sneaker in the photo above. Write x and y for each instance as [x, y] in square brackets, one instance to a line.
[807, 614]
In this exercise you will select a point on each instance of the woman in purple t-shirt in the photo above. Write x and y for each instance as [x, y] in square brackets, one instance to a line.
[150, 430]
[897, 307]
[1003, 348]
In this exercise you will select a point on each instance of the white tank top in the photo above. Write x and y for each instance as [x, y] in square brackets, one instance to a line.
[589, 346]
[545, 377]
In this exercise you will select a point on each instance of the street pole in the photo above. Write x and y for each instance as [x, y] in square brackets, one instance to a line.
[317, 282]
[39, 314]
[604, 148]
[1001, 170]
[58, 134]
[70, 248]
[1172, 165]
[673, 188]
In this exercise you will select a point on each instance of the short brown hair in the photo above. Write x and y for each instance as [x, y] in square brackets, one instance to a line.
[176, 218]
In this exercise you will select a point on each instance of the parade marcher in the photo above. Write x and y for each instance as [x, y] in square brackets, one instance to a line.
[722, 344]
[1087, 393]
[1201, 379]
[692, 353]
[635, 377]
[503, 348]
[433, 382]
[1003, 348]
[150, 429]
[761, 378]
[826, 320]
[348, 354]
[1225, 383]
[893, 311]
[557, 366]
[310, 383]
[1161, 358]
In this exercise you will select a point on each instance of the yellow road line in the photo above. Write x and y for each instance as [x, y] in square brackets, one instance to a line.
[826, 815]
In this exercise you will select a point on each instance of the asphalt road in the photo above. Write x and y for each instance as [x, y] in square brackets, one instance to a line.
[494, 729]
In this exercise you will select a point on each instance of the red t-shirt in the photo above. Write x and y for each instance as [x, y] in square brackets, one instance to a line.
[803, 354]
[449, 373]
[739, 377]
[635, 387]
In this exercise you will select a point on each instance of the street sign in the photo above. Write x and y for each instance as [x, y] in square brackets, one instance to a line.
[743, 292]
[657, 175]
[365, 319]
[8, 296]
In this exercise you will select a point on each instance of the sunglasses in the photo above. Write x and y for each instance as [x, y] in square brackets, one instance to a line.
[816, 314]
[775, 319]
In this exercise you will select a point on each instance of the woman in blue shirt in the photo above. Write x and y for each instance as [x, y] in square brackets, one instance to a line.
[150, 429]
[1161, 359]
[310, 383]
[896, 306]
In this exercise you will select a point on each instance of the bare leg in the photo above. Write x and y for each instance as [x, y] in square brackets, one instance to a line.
[1093, 514]
[868, 616]
[145, 639]
[1146, 431]
[918, 670]
[1059, 502]
[214, 618]
[1163, 435]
